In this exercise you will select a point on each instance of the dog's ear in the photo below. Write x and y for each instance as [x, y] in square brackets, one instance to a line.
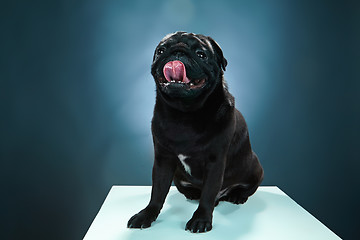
[218, 53]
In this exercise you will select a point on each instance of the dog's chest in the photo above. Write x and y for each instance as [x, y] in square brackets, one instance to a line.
[186, 166]
[192, 165]
[181, 137]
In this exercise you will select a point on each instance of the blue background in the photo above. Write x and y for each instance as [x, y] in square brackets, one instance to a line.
[76, 100]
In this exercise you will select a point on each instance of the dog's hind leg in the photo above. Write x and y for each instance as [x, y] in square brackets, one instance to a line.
[237, 193]
[187, 189]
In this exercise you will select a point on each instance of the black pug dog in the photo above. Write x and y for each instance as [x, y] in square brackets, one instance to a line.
[201, 140]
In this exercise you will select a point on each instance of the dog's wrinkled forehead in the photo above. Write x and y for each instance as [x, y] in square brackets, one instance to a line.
[187, 39]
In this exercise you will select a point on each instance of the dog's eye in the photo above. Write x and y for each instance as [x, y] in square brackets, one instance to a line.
[160, 51]
[201, 54]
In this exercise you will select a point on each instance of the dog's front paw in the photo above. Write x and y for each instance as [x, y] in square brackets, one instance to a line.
[199, 223]
[143, 219]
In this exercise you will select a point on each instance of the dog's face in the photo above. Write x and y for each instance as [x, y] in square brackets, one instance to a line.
[187, 67]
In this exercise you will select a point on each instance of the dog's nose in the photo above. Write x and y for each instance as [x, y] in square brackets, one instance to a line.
[179, 49]
[178, 53]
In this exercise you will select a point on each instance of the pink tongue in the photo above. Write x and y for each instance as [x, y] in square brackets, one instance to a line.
[175, 71]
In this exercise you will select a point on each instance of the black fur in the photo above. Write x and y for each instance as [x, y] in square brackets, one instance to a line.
[202, 124]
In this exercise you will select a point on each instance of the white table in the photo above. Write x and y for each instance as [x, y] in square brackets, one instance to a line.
[268, 214]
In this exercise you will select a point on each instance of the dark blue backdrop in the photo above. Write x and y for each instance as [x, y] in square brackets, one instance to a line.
[76, 100]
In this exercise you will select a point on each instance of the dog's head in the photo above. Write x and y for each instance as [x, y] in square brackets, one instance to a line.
[187, 68]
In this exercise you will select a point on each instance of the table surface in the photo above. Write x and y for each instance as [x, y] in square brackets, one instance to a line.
[268, 214]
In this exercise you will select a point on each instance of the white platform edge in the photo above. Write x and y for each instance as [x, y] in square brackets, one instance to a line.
[273, 189]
